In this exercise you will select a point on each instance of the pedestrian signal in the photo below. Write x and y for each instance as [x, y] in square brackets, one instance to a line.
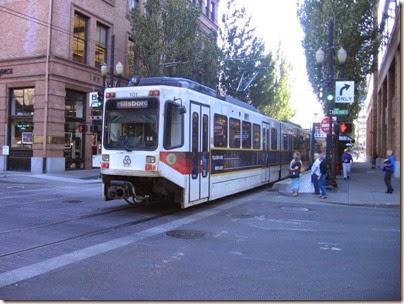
[82, 128]
[345, 127]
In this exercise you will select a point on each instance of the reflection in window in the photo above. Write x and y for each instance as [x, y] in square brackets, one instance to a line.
[256, 136]
[220, 131]
[21, 133]
[22, 102]
[246, 142]
[174, 126]
[274, 139]
[101, 45]
[234, 133]
[80, 38]
[74, 104]
[131, 57]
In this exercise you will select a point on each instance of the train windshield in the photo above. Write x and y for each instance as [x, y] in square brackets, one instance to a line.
[131, 125]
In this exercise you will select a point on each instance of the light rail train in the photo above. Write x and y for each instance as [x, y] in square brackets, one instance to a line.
[174, 139]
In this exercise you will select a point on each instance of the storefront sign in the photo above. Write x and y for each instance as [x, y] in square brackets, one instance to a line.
[5, 71]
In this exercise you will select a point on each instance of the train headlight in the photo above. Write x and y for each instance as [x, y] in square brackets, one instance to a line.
[150, 163]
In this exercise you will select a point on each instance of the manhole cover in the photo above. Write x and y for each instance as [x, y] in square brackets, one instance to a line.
[187, 234]
[303, 209]
[72, 201]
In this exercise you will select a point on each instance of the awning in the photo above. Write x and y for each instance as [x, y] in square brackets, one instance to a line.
[346, 138]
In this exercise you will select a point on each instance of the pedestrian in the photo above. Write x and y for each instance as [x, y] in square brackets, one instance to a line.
[347, 160]
[389, 167]
[315, 173]
[294, 169]
[374, 158]
[324, 168]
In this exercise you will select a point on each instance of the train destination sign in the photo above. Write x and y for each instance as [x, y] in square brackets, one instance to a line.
[132, 104]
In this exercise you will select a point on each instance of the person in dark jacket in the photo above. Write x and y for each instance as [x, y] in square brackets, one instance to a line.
[324, 168]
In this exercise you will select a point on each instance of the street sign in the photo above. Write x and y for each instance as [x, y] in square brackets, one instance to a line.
[337, 111]
[344, 91]
[325, 124]
[93, 100]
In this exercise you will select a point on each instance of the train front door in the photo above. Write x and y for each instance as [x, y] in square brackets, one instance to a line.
[200, 159]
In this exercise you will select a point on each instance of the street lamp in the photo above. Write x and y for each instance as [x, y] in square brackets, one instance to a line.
[118, 70]
[330, 82]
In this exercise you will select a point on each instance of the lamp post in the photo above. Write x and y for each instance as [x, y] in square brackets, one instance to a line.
[330, 82]
[118, 70]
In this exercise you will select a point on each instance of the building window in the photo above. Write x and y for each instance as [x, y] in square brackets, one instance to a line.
[74, 137]
[22, 102]
[21, 113]
[80, 37]
[131, 57]
[101, 45]
[133, 4]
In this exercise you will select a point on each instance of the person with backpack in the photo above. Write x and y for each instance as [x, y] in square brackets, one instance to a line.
[324, 169]
[294, 170]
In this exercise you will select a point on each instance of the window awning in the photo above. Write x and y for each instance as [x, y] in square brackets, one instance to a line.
[346, 138]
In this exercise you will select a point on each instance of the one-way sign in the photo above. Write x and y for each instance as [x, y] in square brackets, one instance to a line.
[344, 91]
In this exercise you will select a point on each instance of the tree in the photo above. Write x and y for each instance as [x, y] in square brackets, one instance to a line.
[243, 52]
[355, 30]
[281, 109]
[168, 42]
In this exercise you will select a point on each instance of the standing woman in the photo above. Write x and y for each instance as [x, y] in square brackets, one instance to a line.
[294, 169]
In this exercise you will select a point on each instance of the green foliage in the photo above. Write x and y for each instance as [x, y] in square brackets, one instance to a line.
[168, 42]
[355, 30]
[281, 109]
[244, 52]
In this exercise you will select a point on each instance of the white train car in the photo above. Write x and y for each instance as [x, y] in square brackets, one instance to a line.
[174, 139]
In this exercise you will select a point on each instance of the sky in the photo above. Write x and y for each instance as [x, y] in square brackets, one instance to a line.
[276, 21]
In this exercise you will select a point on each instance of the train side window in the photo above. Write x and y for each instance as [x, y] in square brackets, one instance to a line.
[173, 126]
[246, 143]
[285, 142]
[256, 136]
[220, 130]
[274, 139]
[234, 133]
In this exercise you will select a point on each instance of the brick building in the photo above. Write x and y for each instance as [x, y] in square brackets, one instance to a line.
[384, 97]
[50, 60]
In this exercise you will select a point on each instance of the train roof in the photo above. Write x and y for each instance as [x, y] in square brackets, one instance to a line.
[189, 84]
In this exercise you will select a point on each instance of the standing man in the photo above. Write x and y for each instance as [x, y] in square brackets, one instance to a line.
[347, 160]
[389, 166]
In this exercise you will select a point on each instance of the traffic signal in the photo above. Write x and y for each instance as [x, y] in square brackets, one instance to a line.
[95, 128]
[82, 128]
[330, 92]
[100, 96]
[320, 92]
[345, 127]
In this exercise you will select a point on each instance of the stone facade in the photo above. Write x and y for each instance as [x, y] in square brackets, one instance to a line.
[384, 107]
[41, 130]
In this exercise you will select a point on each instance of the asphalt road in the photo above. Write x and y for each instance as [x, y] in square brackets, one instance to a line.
[60, 241]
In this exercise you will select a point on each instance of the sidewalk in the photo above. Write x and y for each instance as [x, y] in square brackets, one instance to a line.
[365, 187]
